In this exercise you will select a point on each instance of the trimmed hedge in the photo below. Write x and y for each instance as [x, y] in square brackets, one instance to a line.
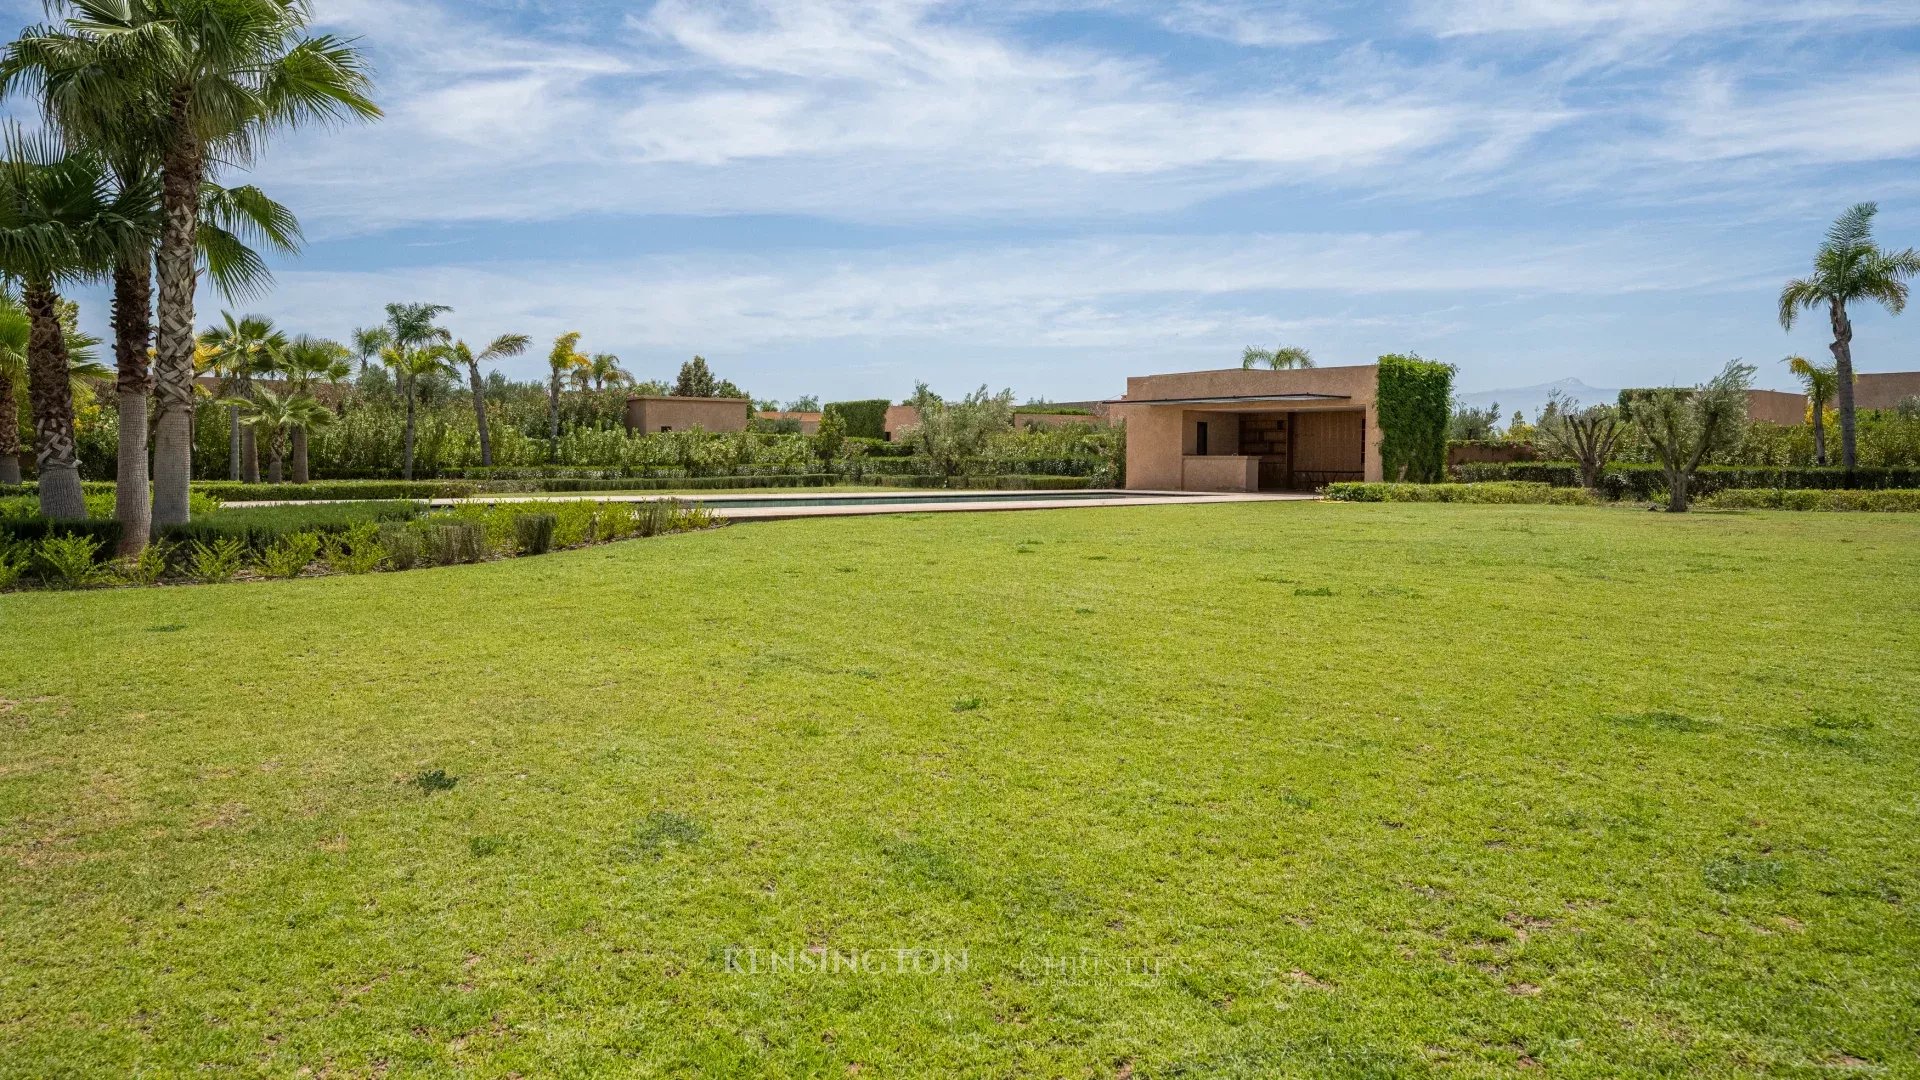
[1001, 483]
[861, 419]
[256, 527]
[1886, 500]
[1506, 493]
[1638, 481]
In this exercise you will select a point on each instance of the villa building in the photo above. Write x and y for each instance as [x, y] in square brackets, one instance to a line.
[1244, 430]
[648, 415]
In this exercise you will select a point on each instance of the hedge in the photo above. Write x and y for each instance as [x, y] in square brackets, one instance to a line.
[1886, 500]
[257, 527]
[1509, 493]
[1638, 481]
[861, 419]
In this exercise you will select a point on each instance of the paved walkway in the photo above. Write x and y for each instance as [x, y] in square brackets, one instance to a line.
[794, 504]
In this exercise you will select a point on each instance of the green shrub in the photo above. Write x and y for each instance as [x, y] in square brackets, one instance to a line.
[149, 566]
[573, 523]
[1509, 493]
[1640, 481]
[260, 527]
[655, 516]
[335, 490]
[405, 547]
[355, 551]
[35, 529]
[533, 533]
[451, 542]
[689, 518]
[290, 555]
[67, 560]
[1886, 501]
[219, 561]
[860, 419]
[14, 560]
[1414, 402]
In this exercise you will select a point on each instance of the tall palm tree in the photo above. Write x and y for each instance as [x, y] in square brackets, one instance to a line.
[274, 416]
[15, 330]
[410, 365]
[561, 361]
[1821, 384]
[242, 348]
[305, 360]
[503, 346]
[59, 223]
[1849, 266]
[1280, 359]
[219, 76]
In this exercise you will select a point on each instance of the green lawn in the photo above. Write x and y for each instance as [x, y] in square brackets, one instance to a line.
[1239, 790]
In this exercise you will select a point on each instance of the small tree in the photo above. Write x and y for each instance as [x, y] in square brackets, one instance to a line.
[1588, 435]
[273, 417]
[830, 439]
[1686, 427]
[696, 379]
[951, 434]
[1468, 424]
[1822, 384]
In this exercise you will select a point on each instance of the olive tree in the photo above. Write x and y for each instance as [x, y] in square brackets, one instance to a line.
[951, 433]
[1589, 436]
[1686, 427]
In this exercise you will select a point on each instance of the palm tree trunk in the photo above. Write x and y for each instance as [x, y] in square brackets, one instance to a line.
[1842, 349]
[50, 391]
[132, 332]
[1819, 432]
[181, 171]
[274, 472]
[233, 443]
[480, 414]
[553, 417]
[249, 439]
[299, 437]
[407, 472]
[9, 433]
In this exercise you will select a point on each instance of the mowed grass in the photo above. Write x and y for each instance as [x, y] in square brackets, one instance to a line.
[1238, 790]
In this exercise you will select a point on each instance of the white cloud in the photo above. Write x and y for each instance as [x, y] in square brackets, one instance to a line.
[1859, 117]
[1645, 17]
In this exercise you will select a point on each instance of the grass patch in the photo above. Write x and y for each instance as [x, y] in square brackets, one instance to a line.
[1429, 824]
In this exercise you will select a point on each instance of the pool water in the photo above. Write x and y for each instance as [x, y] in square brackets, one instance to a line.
[742, 502]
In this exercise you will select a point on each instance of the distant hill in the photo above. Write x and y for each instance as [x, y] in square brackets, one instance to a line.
[1531, 399]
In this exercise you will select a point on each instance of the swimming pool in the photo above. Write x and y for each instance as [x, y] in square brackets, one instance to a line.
[754, 502]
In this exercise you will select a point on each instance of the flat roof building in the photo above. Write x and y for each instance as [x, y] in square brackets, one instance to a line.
[1247, 430]
[650, 415]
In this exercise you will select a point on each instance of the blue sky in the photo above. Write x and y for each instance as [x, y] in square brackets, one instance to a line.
[841, 198]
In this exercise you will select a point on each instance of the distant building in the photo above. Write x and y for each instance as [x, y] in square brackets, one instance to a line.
[809, 421]
[1874, 390]
[899, 418]
[649, 415]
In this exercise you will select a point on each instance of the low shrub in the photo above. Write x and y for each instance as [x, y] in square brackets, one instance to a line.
[35, 529]
[335, 490]
[533, 533]
[1510, 493]
[1882, 501]
[405, 547]
[67, 561]
[290, 555]
[355, 551]
[258, 528]
[14, 560]
[149, 566]
[1638, 481]
[450, 542]
[221, 560]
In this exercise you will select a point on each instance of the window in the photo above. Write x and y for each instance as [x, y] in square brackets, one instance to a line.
[1200, 438]
[665, 428]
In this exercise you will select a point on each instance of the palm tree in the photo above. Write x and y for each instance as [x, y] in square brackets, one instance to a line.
[1280, 359]
[304, 360]
[218, 76]
[275, 416]
[605, 369]
[560, 361]
[367, 343]
[1821, 384]
[15, 330]
[59, 223]
[503, 346]
[411, 364]
[1849, 266]
[242, 348]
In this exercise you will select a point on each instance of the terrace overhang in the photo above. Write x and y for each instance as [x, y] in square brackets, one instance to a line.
[1236, 399]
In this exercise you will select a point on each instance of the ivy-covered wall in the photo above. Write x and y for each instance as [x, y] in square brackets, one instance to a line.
[863, 419]
[1415, 398]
